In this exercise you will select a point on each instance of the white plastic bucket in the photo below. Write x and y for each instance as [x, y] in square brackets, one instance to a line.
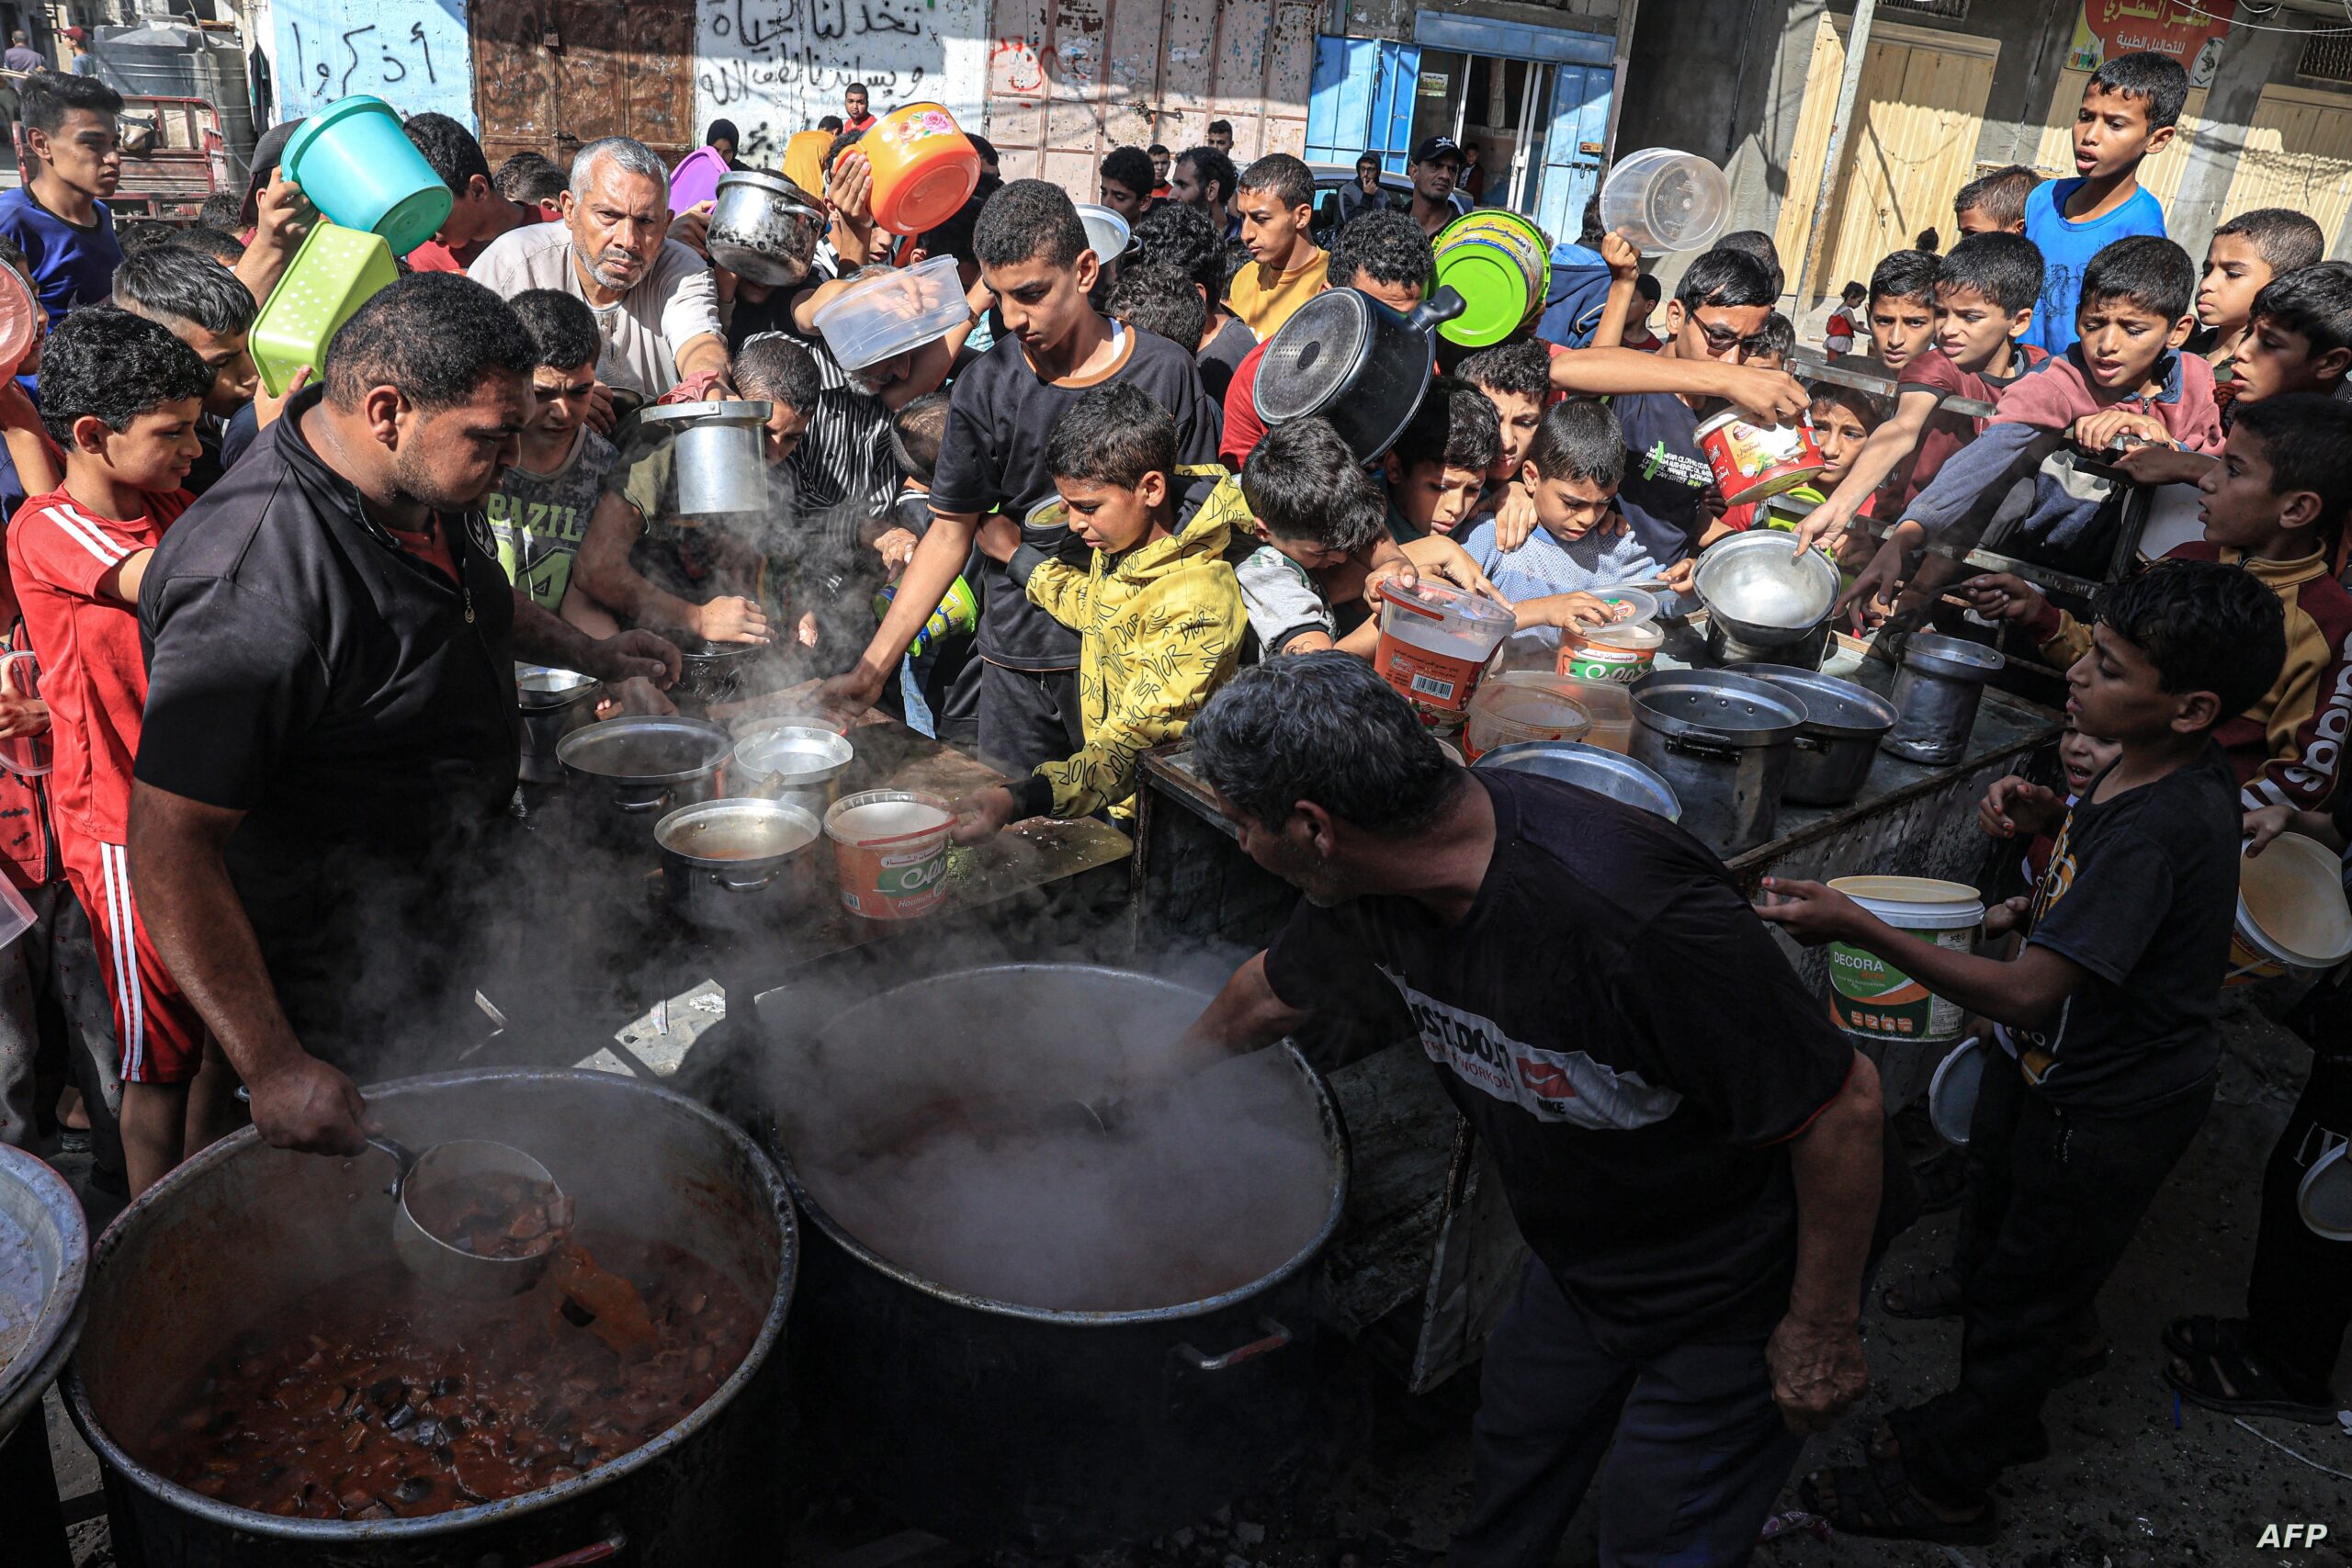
[2292, 911]
[1870, 997]
[890, 851]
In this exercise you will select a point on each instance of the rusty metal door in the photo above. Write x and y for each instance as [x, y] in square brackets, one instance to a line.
[551, 75]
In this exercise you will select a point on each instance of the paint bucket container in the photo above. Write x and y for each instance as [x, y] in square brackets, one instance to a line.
[1622, 653]
[1753, 462]
[1435, 643]
[1873, 1000]
[2292, 911]
[1501, 265]
[1522, 706]
[357, 164]
[890, 851]
[925, 168]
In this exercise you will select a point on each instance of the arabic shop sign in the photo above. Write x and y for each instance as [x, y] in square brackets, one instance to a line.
[2192, 34]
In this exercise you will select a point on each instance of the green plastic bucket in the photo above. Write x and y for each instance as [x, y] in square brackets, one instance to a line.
[1872, 998]
[1501, 265]
[337, 271]
[357, 164]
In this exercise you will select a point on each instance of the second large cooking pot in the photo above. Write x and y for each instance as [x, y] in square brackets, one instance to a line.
[765, 227]
[1057, 1427]
[1843, 725]
[1350, 359]
[642, 765]
[1764, 594]
[1723, 744]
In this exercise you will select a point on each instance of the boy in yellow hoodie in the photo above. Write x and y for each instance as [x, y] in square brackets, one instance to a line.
[1158, 611]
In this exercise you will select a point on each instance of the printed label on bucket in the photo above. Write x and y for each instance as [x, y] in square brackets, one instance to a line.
[1598, 661]
[1870, 997]
[1431, 680]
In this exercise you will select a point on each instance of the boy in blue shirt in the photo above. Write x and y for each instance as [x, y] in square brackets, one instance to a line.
[2129, 110]
[1573, 467]
[60, 218]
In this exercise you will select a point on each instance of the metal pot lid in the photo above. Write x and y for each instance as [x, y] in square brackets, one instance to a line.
[645, 749]
[1708, 704]
[1835, 708]
[1954, 657]
[1595, 767]
[727, 411]
[736, 834]
[539, 688]
[795, 754]
[1316, 354]
[1759, 581]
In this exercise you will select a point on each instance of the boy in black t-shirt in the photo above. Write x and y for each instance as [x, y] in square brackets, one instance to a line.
[2109, 1010]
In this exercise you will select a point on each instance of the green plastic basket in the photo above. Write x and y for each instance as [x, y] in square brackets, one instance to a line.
[332, 274]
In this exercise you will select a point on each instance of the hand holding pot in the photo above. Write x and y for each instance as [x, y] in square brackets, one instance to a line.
[635, 655]
[311, 1107]
[2007, 915]
[730, 618]
[1764, 397]
[1998, 596]
[983, 814]
[1811, 912]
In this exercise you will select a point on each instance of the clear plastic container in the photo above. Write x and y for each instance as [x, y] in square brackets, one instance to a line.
[877, 317]
[1665, 200]
[1523, 705]
[1610, 704]
[1435, 643]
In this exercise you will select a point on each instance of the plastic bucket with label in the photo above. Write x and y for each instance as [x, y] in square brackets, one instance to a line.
[1870, 997]
[1754, 462]
[1621, 653]
[1501, 265]
[1435, 643]
[2292, 913]
[890, 851]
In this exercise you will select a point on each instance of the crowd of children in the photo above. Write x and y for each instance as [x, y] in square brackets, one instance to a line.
[1074, 526]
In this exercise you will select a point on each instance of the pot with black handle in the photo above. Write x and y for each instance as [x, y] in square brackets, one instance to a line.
[1723, 744]
[1348, 358]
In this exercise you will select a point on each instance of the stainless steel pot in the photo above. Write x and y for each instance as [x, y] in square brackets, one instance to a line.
[161, 1299]
[1723, 744]
[765, 227]
[1594, 768]
[1937, 690]
[799, 764]
[1843, 725]
[644, 765]
[1353, 360]
[44, 1266]
[739, 863]
[1761, 592]
[992, 1422]
[554, 702]
[718, 455]
[713, 671]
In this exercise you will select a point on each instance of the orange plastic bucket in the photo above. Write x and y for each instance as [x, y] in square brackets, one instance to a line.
[925, 168]
[890, 851]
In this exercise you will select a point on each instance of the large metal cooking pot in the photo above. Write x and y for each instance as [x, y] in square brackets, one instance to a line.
[163, 1300]
[718, 457]
[801, 764]
[1843, 725]
[765, 227]
[1588, 767]
[1350, 358]
[44, 1265]
[1723, 744]
[554, 702]
[713, 671]
[739, 863]
[645, 766]
[994, 1422]
[1762, 593]
[1937, 690]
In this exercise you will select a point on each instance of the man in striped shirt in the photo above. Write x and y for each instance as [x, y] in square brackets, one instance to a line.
[122, 396]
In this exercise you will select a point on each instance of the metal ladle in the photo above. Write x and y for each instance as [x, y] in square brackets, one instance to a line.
[451, 1270]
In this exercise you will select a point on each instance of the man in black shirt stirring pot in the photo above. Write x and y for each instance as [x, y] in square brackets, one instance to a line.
[329, 733]
[1695, 1156]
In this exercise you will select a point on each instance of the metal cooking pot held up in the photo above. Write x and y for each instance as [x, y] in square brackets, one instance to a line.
[765, 227]
[1353, 360]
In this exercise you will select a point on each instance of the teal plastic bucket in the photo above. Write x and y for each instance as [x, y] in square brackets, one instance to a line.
[357, 164]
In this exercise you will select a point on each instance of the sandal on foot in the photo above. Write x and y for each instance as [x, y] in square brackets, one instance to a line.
[2204, 1334]
[2234, 1382]
[1929, 1293]
[1878, 1500]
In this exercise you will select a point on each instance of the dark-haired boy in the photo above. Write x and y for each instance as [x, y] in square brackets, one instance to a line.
[1157, 610]
[941, 661]
[540, 511]
[1437, 471]
[1173, 234]
[1517, 379]
[1159, 298]
[59, 218]
[1995, 203]
[1034, 258]
[201, 303]
[1286, 267]
[1770, 349]
[2129, 109]
[1572, 468]
[1126, 183]
[2241, 260]
[2109, 1010]
[1984, 293]
[2274, 504]
[1314, 513]
[479, 211]
[1902, 312]
[122, 396]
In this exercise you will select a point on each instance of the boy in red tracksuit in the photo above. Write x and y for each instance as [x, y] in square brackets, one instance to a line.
[122, 396]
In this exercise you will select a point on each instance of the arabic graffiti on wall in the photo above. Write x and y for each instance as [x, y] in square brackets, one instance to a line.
[2193, 36]
[411, 53]
[777, 66]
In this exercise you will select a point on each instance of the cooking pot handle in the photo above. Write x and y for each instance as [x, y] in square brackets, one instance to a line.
[1804, 742]
[1690, 748]
[639, 807]
[1439, 307]
[753, 885]
[599, 1551]
[1276, 1337]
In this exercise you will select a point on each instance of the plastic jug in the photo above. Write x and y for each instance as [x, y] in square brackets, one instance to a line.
[337, 271]
[924, 167]
[1665, 200]
[357, 164]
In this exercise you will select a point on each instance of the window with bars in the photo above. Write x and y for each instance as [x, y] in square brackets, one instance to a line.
[2328, 57]
[1949, 10]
